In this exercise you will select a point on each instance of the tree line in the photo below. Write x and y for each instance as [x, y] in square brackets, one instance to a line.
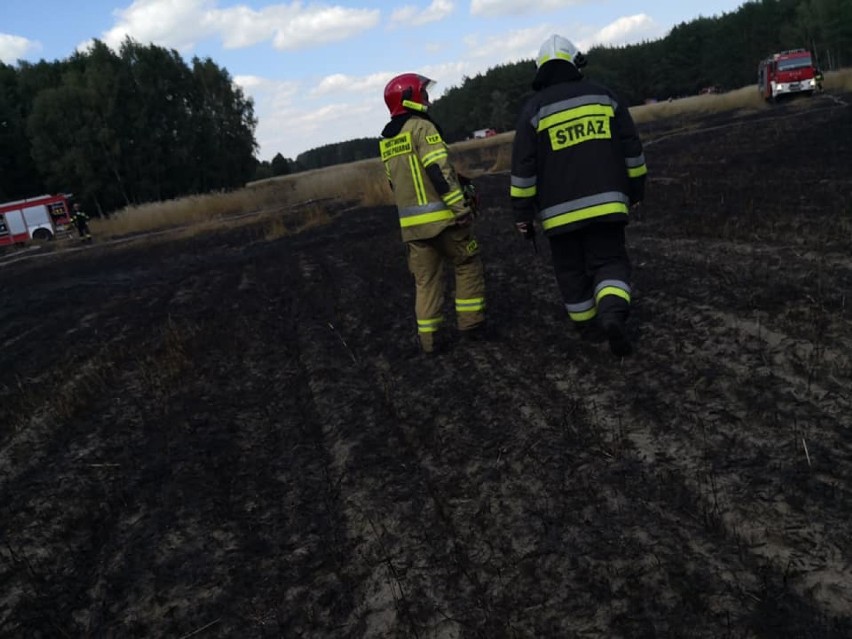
[140, 124]
[123, 127]
[722, 52]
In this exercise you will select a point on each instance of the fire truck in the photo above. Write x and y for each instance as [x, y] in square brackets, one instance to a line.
[786, 73]
[484, 133]
[35, 218]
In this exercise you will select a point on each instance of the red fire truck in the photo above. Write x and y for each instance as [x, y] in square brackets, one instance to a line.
[35, 218]
[786, 73]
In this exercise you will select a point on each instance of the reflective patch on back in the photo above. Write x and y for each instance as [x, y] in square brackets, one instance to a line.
[580, 130]
[472, 247]
[400, 145]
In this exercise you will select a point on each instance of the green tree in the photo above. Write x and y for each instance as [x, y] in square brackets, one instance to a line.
[280, 165]
[223, 123]
[19, 176]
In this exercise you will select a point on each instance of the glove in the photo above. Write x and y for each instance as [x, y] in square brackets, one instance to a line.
[527, 229]
[471, 198]
[465, 217]
[637, 190]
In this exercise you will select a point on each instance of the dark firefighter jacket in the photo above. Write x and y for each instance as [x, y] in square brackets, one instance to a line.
[425, 184]
[576, 157]
[79, 217]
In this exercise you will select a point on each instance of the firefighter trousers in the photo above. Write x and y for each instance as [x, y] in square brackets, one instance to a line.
[426, 258]
[593, 273]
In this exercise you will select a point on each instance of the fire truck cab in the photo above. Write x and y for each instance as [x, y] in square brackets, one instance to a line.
[35, 218]
[484, 133]
[786, 73]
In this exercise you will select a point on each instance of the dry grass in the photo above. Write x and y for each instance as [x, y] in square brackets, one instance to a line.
[301, 219]
[359, 182]
[746, 98]
[299, 201]
[840, 81]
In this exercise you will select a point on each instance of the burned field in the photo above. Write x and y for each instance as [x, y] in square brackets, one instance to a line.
[229, 436]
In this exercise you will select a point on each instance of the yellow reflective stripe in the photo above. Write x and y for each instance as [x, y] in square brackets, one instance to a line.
[584, 315]
[470, 305]
[417, 178]
[392, 147]
[612, 290]
[558, 55]
[452, 197]
[584, 214]
[517, 191]
[408, 104]
[572, 114]
[429, 325]
[434, 156]
[426, 218]
[637, 171]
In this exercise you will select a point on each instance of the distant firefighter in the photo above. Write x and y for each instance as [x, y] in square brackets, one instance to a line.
[81, 221]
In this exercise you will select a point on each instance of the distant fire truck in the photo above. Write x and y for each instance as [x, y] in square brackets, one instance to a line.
[786, 73]
[484, 133]
[35, 218]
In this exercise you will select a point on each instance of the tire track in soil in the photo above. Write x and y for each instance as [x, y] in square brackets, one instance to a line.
[393, 517]
[696, 484]
[779, 525]
[145, 529]
[582, 471]
[835, 550]
[500, 565]
[41, 463]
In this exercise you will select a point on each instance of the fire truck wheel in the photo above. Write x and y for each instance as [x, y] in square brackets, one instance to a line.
[42, 235]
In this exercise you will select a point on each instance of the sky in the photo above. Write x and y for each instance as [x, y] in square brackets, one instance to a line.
[316, 71]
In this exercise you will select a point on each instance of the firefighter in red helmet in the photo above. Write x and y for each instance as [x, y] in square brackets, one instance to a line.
[435, 217]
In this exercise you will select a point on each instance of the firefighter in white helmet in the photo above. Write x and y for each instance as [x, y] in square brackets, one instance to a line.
[578, 168]
[435, 218]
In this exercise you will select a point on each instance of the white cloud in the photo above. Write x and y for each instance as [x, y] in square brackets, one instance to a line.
[181, 25]
[345, 85]
[14, 48]
[523, 44]
[509, 47]
[249, 82]
[448, 75]
[296, 116]
[412, 16]
[323, 25]
[493, 8]
[164, 22]
[289, 123]
[626, 30]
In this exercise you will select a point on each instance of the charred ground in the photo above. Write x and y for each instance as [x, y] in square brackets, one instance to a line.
[229, 436]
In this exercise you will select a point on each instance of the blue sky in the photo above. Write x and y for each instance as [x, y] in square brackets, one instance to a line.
[316, 70]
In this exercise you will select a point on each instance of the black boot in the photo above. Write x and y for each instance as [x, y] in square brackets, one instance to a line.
[480, 333]
[590, 331]
[619, 343]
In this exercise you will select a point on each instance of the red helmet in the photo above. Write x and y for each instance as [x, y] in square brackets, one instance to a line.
[407, 91]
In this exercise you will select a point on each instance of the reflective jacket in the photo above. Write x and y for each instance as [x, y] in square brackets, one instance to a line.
[425, 184]
[576, 157]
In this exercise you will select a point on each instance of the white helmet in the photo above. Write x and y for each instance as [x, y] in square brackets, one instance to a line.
[558, 48]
